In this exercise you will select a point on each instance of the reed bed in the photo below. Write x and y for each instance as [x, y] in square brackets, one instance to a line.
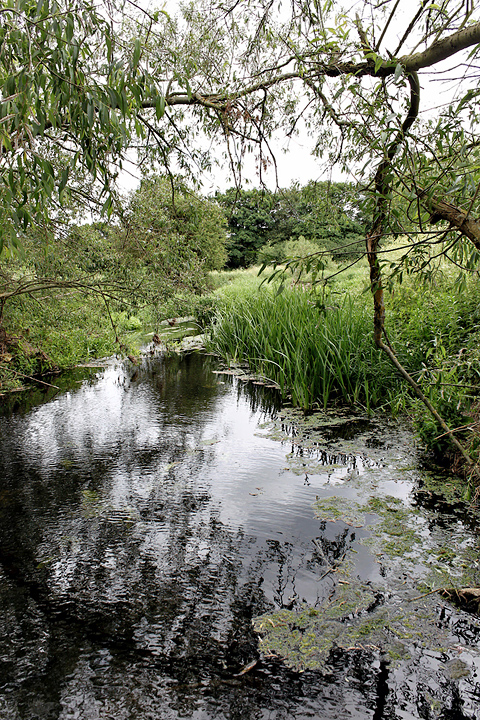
[316, 355]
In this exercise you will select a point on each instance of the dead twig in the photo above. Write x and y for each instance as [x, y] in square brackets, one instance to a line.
[29, 377]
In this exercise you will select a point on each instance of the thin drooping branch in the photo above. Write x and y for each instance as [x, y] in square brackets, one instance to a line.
[418, 392]
[31, 287]
[386, 26]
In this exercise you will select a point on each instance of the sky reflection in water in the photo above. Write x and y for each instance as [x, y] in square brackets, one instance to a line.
[145, 521]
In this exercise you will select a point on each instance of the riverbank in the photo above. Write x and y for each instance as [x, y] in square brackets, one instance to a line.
[319, 349]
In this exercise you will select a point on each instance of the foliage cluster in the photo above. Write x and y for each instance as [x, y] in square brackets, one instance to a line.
[174, 230]
[47, 335]
[97, 282]
[437, 337]
[267, 226]
[68, 91]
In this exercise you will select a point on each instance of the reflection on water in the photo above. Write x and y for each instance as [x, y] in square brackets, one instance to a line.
[144, 522]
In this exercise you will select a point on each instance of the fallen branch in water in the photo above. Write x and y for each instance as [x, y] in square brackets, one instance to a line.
[466, 595]
[29, 377]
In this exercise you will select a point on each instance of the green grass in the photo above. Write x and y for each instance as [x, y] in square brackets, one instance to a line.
[237, 283]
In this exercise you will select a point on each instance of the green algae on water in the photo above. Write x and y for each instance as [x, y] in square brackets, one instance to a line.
[336, 508]
[412, 552]
[391, 619]
[357, 616]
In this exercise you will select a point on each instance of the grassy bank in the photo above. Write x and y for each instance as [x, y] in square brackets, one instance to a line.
[52, 333]
[316, 354]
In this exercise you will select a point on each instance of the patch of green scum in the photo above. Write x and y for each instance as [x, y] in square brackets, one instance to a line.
[304, 639]
[276, 434]
[302, 465]
[350, 599]
[435, 705]
[304, 430]
[339, 508]
[401, 534]
[449, 489]
[453, 567]
[397, 652]
[456, 669]
[398, 532]
[444, 554]
[92, 505]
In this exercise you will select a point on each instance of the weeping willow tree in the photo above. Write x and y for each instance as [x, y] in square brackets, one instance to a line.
[353, 77]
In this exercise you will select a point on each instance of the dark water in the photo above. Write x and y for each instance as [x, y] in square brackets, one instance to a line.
[144, 522]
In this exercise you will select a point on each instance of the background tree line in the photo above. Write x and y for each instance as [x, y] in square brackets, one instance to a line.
[267, 226]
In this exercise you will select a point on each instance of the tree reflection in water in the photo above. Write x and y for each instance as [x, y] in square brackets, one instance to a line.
[143, 525]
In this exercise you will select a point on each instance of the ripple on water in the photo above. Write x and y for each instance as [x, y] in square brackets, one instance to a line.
[149, 518]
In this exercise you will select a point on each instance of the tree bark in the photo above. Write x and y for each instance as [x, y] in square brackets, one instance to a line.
[382, 184]
[458, 218]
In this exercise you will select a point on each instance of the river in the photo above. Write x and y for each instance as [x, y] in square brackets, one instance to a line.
[175, 544]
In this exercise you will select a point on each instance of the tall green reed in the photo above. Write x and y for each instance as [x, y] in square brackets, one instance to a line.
[315, 355]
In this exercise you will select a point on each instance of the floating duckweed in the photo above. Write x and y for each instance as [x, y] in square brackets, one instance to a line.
[355, 618]
[339, 508]
[388, 617]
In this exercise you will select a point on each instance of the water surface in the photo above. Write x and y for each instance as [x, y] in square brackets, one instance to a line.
[148, 515]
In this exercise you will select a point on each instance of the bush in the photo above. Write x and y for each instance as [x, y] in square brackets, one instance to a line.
[280, 252]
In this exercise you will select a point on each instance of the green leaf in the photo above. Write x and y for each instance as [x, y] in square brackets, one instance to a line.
[69, 27]
[63, 180]
[160, 107]
[48, 168]
[90, 112]
[264, 265]
[107, 206]
[10, 85]
[136, 53]
[114, 97]
[24, 217]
